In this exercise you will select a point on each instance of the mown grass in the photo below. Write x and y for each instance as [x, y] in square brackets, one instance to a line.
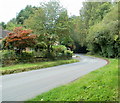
[99, 85]
[31, 66]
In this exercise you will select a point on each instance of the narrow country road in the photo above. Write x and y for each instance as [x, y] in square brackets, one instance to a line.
[26, 85]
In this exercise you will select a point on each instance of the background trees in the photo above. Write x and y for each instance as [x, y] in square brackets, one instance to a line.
[93, 12]
[25, 13]
[3, 25]
[12, 24]
[52, 10]
[44, 18]
[78, 34]
[103, 37]
[62, 29]
[36, 21]
[95, 30]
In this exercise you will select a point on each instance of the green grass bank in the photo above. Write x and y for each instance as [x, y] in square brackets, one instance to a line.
[32, 66]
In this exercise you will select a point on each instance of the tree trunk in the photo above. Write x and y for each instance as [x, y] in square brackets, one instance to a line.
[18, 51]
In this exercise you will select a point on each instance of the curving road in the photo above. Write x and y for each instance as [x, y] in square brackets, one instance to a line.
[26, 85]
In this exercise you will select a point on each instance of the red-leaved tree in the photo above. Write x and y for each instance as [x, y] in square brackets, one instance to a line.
[20, 39]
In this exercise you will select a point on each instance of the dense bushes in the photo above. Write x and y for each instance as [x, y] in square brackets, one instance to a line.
[9, 57]
[8, 54]
[68, 53]
[61, 52]
[57, 52]
[25, 57]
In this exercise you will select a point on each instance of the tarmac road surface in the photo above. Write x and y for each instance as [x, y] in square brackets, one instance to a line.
[26, 85]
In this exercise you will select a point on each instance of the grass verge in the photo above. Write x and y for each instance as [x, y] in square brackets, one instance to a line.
[32, 66]
[99, 85]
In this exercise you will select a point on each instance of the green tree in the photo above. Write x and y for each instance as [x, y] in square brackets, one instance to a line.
[52, 10]
[78, 33]
[12, 24]
[44, 18]
[93, 12]
[62, 29]
[3, 25]
[103, 37]
[90, 14]
[50, 18]
[47, 41]
[24, 14]
[36, 22]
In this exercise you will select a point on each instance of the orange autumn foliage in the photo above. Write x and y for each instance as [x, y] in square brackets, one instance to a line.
[20, 38]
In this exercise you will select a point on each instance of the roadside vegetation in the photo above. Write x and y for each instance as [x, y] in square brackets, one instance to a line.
[99, 85]
[33, 66]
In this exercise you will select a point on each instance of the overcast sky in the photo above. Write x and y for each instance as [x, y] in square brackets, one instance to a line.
[9, 8]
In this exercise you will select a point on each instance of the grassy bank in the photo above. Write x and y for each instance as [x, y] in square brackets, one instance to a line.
[32, 66]
[99, 85]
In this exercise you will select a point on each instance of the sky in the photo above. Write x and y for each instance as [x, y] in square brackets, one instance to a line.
[10, 8]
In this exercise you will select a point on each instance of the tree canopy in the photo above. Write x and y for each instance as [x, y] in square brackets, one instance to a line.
[95, 29]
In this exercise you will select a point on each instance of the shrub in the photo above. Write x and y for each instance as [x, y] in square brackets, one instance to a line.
[59, 48]
[8, 57]
[68, 53]
[8, 54]
[41, 53]
[40, 46]
[58, 51]
[61, 52]
[25, 57]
